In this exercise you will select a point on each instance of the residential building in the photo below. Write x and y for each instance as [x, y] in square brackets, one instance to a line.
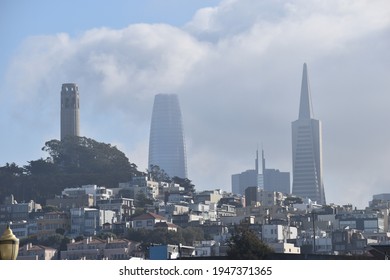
[123, 207]
[97, 192]
[21, 229]
[36, 252]
[141, 184]
[381, 201]
[349, 241]
[255, 196]
[92, 248]
[278, 233]
[307, 149]
[66, 202]
[89, 221]
[208, 196]
[148, 221]
[364, 221]
[170, 252]
[285, 248]
[51, 222]
[12, 210]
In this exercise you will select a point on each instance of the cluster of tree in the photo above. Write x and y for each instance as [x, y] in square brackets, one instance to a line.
[157, 174]
[246, 245]
[72, 162]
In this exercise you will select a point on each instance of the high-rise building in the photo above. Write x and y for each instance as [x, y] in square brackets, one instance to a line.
[307, 149]
[275, 180]
[166, 142]
[70, 110]
[245, 179]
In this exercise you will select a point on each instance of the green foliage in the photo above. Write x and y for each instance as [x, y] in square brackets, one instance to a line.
[157, 174]
[141, 200]
[74, 161]
[289, 201]
[105, 235]
[79, 238]
[245, 245]
[189, 188]
[49, 208]
[75, 155]
[30, 239]
[191, 234]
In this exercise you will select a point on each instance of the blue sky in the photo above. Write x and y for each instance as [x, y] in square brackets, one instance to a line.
[236, 66]
[23, 18]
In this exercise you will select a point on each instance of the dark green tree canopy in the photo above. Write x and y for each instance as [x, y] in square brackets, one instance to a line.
[157, 174]
[81, 154]
[73, 161]
[245, 245]
[189, 188]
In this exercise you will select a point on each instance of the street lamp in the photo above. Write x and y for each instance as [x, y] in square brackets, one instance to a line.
[9, 245]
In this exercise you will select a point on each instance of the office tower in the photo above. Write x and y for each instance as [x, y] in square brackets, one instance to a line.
[275, 180]
[307, 149]
[166, 142]
[245, 179]
[252, 196]
[70, 110]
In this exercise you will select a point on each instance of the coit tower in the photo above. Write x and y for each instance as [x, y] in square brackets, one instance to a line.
[166, 142]
[307, 149]
[70, 110]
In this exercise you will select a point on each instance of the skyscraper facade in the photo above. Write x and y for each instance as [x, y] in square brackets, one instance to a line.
[245, 179]
[307, 149]
[166, 142]
[70, 110]
[275, 180]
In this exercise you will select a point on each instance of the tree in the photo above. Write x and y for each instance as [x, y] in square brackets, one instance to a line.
[186, 183]
[74, 161]
[157, 174]
[141, 200]
[289, 201]
[244, 244]
[191, 234]
[85, 155]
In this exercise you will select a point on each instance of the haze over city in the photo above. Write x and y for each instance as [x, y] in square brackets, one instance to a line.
[236, 67]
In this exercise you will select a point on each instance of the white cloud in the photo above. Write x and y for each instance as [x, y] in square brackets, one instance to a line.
[237, 69]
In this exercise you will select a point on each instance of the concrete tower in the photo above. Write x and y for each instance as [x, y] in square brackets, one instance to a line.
[166, 142]
[70, 110]
[307, 149]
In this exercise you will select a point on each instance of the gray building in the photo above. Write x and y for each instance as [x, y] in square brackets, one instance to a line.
[307, 149]
[245, 179]
[166, 142]
[275, 180]
[89, 221]
[70, 110]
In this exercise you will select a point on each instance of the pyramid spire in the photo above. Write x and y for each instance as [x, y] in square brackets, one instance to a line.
[305, 108]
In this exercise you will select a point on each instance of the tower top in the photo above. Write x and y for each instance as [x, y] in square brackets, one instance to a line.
[305, 107]
[69, 87]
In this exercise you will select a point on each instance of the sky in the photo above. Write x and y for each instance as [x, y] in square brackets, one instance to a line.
[236, 66]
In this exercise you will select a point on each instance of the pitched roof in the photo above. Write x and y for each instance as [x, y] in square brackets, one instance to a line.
[147, 216]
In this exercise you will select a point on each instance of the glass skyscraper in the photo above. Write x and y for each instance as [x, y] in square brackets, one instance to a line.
[307, 149]
[166, 142]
